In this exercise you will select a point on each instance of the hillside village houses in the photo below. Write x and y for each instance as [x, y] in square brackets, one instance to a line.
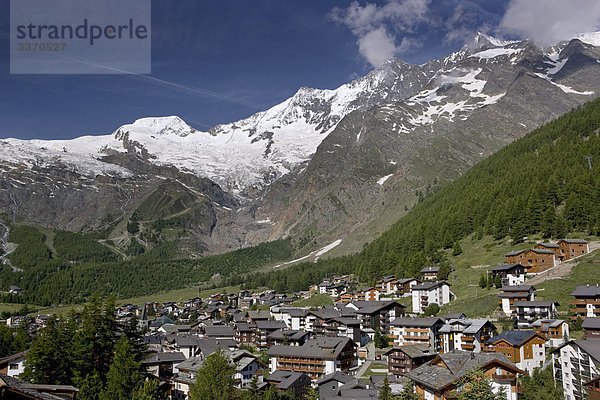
[268, 340]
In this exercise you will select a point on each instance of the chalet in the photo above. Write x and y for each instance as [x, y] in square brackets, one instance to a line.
[593, 389]
[511, 294]
[440, 378]
[404, 359]
[13, 365]
[405, 286]
[163, 365]
[586, 303]
[363, 294]
[328, 385]
[263, 329]
[377, 314]
[515, 257]
[286, 381]
[510, 274]
[549, 246]
[189, 345]
[528, 311]
[317, 357]
[387, 285]
[293, 317]
[591, 327]
[288, 337]
[575, 363]
[571, 248]
[424, 331]
[430, 273]
[556, 331]
[466, 334]
[259, 315]
[428, 293]
[244, 332]
[526, 349]
[339, 326]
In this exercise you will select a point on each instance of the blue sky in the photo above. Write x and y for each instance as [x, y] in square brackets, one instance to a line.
[220, 61]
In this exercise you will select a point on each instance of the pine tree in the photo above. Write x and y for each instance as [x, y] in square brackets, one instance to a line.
[408, 392]
[214, 380]
[124, 375]
[483, 281]
[150, 390]
[476, 386]
[456, 249]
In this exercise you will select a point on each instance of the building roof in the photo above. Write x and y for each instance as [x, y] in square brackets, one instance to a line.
[536, 303]
[327, 348]
[506, 267]
[10, 386]
[514, 253]
[455, 315]
[574, 241]
[337, 376]
[552, 323]
[12, 357]
[586, 291]
[426, 322]
[218, 331]
[371, 307]
[550, 245]
[292, 335]
[429, 285]
[167, 357]
[430, 270]
[287, 379]
[160, 321]
[270, 325]
[414, 350]
[517, 288]
[469, 326]
[542, 251]
[457, 364]
[590, 346]
[591, 323]
[516, 338]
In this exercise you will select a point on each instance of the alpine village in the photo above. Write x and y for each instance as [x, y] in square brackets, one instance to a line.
[478, 279]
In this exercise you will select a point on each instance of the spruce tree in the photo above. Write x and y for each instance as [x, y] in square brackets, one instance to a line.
[214, 380]
[124, 375]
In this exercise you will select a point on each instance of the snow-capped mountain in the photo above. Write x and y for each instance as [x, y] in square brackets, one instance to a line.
[324, 157]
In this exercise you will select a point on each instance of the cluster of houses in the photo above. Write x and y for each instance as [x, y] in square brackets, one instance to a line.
[269, 342]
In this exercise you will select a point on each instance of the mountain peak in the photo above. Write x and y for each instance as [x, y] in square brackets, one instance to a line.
[171, 125]
[481, 41]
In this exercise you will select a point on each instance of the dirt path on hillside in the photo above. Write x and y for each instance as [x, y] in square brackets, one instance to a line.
[562, 269]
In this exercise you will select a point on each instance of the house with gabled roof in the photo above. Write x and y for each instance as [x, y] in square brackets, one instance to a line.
[404, 359]
[317, 357]
[591, 327]
[556, 331]
[466, 334]
[430, 273]
[571, 248]
[586, 303]
[441, 377]
[511, 294]
[528, 311]
[510, 274]
[423, 331]
[526, 349]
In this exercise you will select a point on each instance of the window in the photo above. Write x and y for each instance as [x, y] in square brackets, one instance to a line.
[13, 366]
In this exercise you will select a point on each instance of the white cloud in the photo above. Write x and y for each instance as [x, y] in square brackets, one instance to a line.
[548, 22]
[373, 24]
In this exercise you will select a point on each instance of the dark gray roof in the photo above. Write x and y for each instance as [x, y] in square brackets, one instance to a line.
[517, 288]
[534, 303]
[428, 321]
[292, 335]
[157, 358]
[506, 267]
[542, 251]
[516, 338]
[591, 323]
[327, 348]
[370, 307]
[160, 321]
[455, 315]
[429, 285]
[514, 253]
[552, 245]
[414, 350]
[574, 241]
[458, 364]
[287, 379]
[586, 291]
[337, 376]
[590, 346]
[12, 386]
[218, 331]
[270, 325]
[430, 269]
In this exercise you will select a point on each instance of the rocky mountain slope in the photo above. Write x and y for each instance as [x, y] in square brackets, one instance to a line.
[323, 165]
